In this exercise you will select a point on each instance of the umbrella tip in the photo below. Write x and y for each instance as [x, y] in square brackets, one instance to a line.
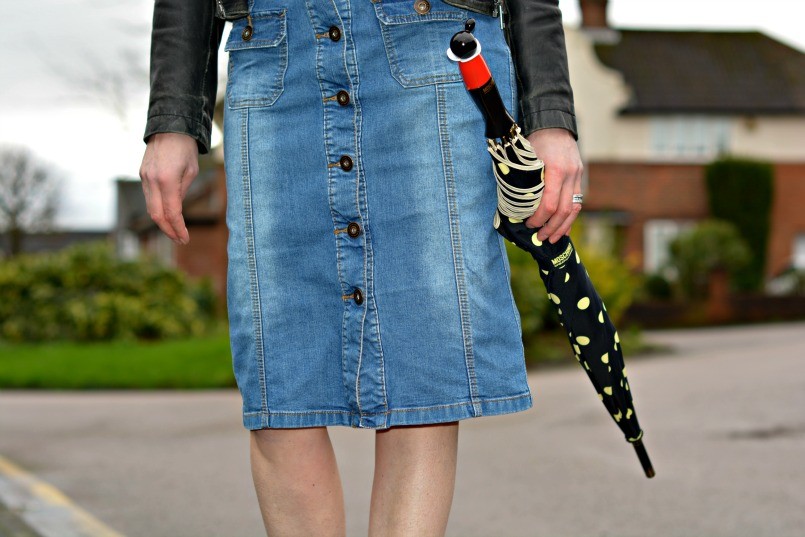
[645, 462]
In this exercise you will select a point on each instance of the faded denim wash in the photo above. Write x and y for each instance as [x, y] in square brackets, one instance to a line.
[405, 316]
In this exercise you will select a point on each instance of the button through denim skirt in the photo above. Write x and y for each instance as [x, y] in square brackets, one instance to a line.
[367, 286]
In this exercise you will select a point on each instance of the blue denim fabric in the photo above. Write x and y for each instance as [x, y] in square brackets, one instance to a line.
[436, 336]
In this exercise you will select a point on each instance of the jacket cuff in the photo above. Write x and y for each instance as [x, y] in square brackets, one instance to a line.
[179, 124]
[548, 119]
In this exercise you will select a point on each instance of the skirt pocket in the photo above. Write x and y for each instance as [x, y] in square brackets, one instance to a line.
[258, 58]
[416, 35]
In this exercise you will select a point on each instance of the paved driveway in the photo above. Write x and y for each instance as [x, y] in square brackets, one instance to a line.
[724, 420]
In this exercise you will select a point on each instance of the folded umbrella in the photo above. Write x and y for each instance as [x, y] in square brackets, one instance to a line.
[519, 174]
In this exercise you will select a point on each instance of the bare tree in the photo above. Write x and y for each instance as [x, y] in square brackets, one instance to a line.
[110, 77]
[108, 83]
[29, 195]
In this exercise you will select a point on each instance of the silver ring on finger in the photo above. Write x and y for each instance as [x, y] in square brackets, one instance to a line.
[578, 198]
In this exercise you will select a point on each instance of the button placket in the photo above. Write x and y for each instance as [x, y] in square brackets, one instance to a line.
[341, 124]
[340, 89]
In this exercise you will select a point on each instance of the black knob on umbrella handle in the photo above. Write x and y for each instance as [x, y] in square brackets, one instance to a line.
[463, 44]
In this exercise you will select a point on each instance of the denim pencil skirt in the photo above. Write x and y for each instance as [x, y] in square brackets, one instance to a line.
[366, 284]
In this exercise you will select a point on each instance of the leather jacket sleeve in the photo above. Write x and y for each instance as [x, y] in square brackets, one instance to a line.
[537, 42]
[184, 69]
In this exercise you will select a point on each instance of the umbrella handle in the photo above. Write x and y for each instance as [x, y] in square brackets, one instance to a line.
[466, 50]
[644, 460]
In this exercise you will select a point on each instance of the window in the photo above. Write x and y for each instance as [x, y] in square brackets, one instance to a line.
[798, 257]
[697, 137]
[605, 231]
[657, 238]
[128, 246]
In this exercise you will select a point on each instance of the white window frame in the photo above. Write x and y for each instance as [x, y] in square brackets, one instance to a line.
[657, 237]
[798, 252]
[690, 136]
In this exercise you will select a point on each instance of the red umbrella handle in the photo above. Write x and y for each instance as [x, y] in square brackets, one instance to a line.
[475, 72]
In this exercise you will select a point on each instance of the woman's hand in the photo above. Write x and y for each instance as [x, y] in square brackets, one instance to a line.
[563, 168]
[169, 166]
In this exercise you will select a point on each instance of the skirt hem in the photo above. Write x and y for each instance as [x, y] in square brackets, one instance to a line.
[384, 420]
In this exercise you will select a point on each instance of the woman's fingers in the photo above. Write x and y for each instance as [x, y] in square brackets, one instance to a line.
[171, 189]
[563, 228]
[548, 205]
[169, 166]
[563, 169]
[154, 181]
[569, 211]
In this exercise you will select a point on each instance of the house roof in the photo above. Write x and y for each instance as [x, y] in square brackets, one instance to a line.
[708, 72]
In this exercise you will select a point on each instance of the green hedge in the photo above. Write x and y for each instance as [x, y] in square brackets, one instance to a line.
[711, 245]
[741, 191]
[84, 293]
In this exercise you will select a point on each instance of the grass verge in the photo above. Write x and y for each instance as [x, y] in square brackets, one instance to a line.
[197, 363]
[201, 362]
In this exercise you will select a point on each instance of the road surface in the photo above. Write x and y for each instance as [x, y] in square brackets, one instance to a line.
[723, 414]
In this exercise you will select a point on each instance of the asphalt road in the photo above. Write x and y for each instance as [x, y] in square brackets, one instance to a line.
[724, 421]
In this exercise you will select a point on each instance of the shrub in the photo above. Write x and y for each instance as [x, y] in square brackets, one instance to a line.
[84, 293]
[741, 192]
[611, 277]
[710, 245]
[656, 286]
[610, 274]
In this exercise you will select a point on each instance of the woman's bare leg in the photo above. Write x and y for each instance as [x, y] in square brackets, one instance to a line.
[297, 482]
[415, 476]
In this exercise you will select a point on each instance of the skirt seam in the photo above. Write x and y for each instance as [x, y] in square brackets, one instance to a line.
[455, 243]
[254, 282]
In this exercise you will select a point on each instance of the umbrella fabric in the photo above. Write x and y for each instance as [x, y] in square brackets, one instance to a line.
[519, 174]
[592, 335]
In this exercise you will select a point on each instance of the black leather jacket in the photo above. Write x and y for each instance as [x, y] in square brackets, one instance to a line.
[186, 36]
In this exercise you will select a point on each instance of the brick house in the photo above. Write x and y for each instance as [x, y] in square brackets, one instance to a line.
[655, 106]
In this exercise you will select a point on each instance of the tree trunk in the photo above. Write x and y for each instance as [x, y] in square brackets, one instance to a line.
[718, 296]
[15, 241]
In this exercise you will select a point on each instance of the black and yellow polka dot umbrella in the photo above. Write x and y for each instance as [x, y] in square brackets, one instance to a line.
[519, 174]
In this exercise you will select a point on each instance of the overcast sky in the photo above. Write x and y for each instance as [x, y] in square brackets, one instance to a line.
[50, 48]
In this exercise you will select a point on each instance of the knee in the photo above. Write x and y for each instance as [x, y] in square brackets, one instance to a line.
[275, 443]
